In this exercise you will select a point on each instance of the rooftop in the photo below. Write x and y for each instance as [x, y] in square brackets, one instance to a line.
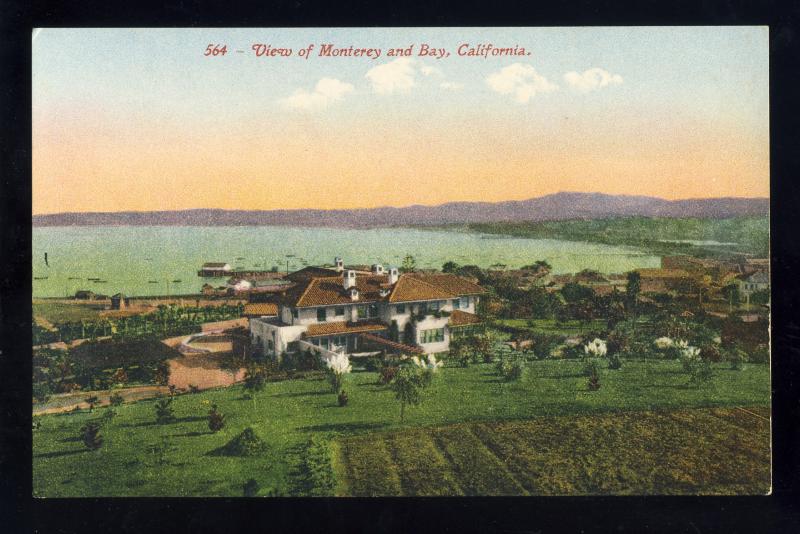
[343, 327]
[260, 309]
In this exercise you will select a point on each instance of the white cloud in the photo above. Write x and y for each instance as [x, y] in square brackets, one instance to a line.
[591, 79]
[327, 91]
[519, 80]
[451, 86]
[427, 70]
[395, 76]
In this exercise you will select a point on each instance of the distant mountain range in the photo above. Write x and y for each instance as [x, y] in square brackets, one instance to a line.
[558, 206]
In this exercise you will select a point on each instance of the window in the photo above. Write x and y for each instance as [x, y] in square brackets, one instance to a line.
[321, 315]
[456, 304]
[433, 306]
[324, 342]
[339, 311]
[464, 302]
[362, 312]
[400, 308]
[294, 313]
[434, 335]
[372, 311]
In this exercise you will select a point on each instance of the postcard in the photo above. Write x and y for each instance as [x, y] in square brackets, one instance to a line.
[376, 262]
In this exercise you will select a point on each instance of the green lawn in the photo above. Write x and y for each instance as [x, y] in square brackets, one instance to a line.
[61, 312]
[287, 413]
[550, 326]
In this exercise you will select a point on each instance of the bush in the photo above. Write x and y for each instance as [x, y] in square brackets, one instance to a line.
[216, 420]
[543, 345]
[591, 367]
[760, 354]
[388, 372]
[711, 353]
[317, 464]
[164, 412]
[511, 368]
[614, 361]
[90, 435]
[373, 364]
[342, 398]
[194, 389]
[116, 399]
[699, 370]
[247, 443]
[736, 357]
[594, 383]
[250, 488]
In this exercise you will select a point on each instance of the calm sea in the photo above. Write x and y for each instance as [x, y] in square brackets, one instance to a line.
[138, 260]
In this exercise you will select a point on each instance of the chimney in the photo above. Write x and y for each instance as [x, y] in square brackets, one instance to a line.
[339, 264]
[393, 275]
[377, 269]
[349, 279]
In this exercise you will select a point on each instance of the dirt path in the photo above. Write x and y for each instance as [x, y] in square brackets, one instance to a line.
[65, 402]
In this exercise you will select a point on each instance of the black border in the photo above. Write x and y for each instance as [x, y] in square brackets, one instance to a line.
[20, 513]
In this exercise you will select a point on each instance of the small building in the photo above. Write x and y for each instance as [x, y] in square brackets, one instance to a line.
[119, 302]
[752, 283]
[85, 294]
[260, 309]
[214, 269]
[208, 290]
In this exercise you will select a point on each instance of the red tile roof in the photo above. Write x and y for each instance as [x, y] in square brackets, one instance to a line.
[462, 318]
[401, 347]
[451, 283]
[260, 309]
[343, 327]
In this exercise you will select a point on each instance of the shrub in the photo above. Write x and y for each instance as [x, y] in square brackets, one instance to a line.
[90, 435]
[511, 368]
[700, 371]
[736, 357]
[318, 467]
[614, 361]
[216, 420]
[164, 412]
[711, 353]
[120, 376]
[342, 398]
[373, 364]
[760, 354]
[194, 389]
[116, 399]
[91, 401]
[591, 367]
[543, 345]
[594, 382]
[250, 488]
[41, 392]
[247, 443]
[388, 372]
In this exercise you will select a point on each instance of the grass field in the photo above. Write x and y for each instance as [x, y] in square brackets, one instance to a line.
[550, 326]
[62, 312]
[696, 451]
[140, 457]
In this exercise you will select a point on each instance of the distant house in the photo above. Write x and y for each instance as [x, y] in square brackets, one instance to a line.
[665, 280]
[752, 283]
[119, 302]
[208, 290]
[84, 294]
[215, 269]
[752, 265]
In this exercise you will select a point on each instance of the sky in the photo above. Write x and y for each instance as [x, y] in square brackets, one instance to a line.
[141, 119]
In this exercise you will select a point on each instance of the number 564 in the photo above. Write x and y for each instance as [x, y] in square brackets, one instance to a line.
[215, 50]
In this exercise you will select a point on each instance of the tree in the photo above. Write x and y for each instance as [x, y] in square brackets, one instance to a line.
[90, 435]
[409, 264]
[449, 267]
[407, 387]
[254, 380]
[164, 412]
[216, 420]
[632, 289]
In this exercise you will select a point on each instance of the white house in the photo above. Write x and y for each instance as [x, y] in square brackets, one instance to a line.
[751, 283]
[214, 269]
[344, 310]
